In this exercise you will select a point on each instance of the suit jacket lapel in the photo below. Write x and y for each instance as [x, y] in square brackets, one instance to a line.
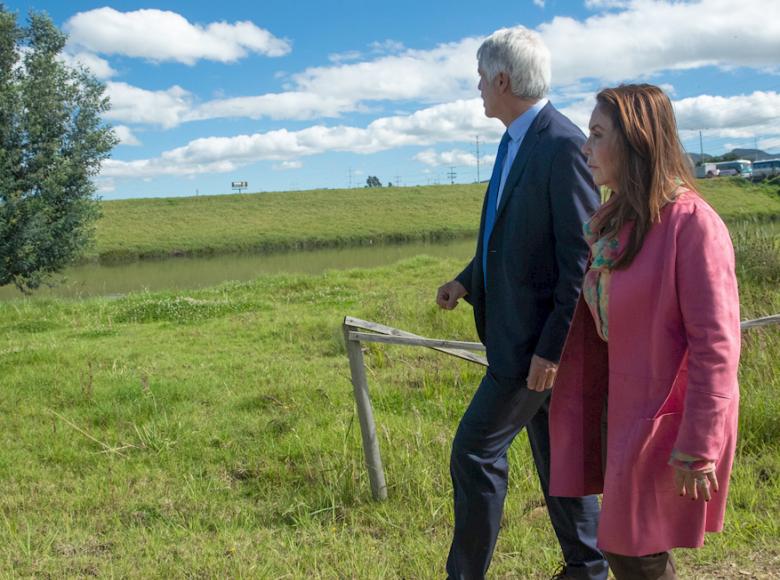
[523, 154]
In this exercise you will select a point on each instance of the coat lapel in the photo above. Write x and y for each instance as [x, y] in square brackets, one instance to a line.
[523, 154]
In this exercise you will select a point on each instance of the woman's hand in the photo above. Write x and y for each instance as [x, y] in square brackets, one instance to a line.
[695, 484]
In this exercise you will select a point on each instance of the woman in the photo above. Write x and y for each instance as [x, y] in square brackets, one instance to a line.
[653, 347]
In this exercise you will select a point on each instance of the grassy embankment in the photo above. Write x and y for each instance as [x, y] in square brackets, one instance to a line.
[212, 434]
[133, 229]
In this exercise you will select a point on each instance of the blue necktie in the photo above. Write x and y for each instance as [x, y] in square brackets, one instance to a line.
[492, 201]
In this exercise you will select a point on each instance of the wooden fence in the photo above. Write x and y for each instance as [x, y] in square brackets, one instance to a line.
[355, 334]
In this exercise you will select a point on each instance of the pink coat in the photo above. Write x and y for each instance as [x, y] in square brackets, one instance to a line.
[671, 371]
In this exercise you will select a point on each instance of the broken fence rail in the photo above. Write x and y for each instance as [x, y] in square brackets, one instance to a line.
[355, 334]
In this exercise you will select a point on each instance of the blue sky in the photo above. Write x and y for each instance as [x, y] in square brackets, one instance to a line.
[299, 95]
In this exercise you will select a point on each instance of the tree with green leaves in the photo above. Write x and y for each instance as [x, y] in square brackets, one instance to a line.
[52, 142]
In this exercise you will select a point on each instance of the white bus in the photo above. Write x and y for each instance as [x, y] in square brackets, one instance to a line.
[741, 167]
[766, 168]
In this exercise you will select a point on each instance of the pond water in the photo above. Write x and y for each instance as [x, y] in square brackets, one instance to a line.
[189, 273]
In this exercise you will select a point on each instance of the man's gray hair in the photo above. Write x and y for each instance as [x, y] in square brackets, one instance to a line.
[521, 54]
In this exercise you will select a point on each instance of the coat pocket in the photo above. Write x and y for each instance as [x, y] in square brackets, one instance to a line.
[636, 453]
[654, 440]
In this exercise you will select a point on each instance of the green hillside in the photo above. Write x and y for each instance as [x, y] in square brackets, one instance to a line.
[132, 229]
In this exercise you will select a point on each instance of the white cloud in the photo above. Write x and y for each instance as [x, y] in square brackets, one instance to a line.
[579, 111]
[125, 135]
[647, 37]
[737, 117]
[290, 105]
[743, 116]
[339, 57]
[455, 157]
[387, 46]
[713, 112]
[98, 66]
[456, 121]
[447, 71]
[160, 35]
[131, 104]
[601, 4]
[105, 185]
[644, 38]
[640, 39]
[287, 165]
[173, 106]
[770, 144]
[650, 36]
[148, 168]
[539, 3]
[438, 75]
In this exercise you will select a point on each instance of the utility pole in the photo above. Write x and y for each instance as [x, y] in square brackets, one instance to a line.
[350, 177]
[397, 181]
[701, 148]
[451, 174]
[477, 158]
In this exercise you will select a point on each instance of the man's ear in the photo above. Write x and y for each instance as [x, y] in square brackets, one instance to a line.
[502, 82]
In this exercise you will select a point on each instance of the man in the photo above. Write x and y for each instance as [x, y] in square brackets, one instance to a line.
[523, 283]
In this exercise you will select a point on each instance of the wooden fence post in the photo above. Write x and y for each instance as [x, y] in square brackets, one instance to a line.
[376, 473]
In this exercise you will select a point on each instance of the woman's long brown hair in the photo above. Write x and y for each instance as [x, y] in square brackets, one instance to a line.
[651, 159]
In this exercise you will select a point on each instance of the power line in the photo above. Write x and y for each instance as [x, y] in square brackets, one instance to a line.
[451, 174]
[701, 146]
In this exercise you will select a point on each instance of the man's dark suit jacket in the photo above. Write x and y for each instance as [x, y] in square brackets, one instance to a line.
[536, 252]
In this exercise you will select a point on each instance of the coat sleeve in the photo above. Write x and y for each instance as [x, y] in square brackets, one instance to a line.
[573, 199]
[465, 278]
[709, 304]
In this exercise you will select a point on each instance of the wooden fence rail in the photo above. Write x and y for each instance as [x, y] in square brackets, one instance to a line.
[354, 334]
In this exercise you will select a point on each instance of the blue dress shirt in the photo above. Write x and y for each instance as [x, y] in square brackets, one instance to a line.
[517, 130]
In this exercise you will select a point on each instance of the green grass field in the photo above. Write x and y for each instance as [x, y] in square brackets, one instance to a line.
[133, 229]
[212, 433]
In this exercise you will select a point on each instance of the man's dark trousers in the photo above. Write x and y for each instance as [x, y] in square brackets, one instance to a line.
[500, 408]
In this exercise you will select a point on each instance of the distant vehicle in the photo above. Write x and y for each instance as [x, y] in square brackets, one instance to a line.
[766, 168]
[741, 167]
[707, 170]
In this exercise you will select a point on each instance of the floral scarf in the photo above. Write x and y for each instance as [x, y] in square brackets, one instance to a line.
[595, 286]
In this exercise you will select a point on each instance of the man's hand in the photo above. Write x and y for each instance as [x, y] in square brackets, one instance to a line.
[448, 295]
[541, 375]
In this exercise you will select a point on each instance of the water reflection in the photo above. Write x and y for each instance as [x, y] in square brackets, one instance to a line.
[189, 273]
